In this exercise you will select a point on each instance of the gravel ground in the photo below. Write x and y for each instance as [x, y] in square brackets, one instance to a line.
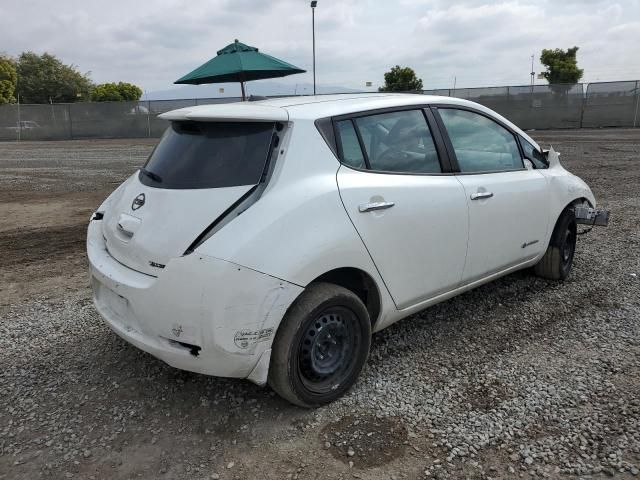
[519, 378]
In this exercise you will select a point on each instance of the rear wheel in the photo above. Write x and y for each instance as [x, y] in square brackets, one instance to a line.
[321, 346]
[558, 259]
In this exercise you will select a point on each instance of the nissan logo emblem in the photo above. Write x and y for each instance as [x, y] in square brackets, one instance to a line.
[137, 202]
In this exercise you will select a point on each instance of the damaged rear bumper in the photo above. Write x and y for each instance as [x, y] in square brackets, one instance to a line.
[201, 314]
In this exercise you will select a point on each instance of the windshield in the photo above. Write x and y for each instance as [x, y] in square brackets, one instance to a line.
[209, 155]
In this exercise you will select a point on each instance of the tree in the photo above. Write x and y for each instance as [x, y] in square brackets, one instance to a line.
[562, 66]
[401, 79]
[44, 78]
[8, 78]
[116, 92]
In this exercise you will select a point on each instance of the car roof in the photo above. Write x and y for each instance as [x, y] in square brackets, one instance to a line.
[320, 106]
[298, 107]
[313, 107]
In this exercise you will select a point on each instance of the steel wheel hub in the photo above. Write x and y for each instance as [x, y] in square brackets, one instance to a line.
[327, 347]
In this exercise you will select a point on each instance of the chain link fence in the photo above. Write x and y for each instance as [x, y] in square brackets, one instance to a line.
[66, 121]
[530, 107]
[612, 104]
[593, 105]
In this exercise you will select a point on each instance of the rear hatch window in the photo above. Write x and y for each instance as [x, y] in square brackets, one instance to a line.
[193, 155]
[196, 173]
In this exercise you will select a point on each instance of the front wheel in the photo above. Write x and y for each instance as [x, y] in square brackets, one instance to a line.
[321, 346]
[558, 259]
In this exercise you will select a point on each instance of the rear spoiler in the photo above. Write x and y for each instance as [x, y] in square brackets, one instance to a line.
[229, 112]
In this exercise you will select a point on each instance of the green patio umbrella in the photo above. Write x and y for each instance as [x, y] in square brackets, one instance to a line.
[238, 62]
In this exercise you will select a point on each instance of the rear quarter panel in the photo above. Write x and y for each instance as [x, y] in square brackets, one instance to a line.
[299, 229]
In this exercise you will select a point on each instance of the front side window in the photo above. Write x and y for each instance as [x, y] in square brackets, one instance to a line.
[209, 155]
[480, 144]
[533, 154]
[399, 142]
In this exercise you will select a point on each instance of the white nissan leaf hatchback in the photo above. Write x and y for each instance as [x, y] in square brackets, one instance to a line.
[267, 240]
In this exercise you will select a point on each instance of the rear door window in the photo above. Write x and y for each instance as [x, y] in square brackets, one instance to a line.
[399, 142]
[194, 155]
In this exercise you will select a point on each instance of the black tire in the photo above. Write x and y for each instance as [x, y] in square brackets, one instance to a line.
[321, 346]
[557, 261]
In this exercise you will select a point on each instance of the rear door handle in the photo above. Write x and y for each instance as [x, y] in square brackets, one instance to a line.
[369, 207]
[481, 195]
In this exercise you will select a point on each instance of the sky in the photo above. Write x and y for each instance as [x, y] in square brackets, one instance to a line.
[469, 42]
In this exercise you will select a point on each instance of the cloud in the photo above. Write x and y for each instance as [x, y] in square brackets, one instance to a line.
[477, 41]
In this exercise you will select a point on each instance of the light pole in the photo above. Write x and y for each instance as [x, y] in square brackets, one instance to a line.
[533, 74]
[314, 3]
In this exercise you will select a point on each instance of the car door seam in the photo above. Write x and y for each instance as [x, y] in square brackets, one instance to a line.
[362, 239]
[466, 254]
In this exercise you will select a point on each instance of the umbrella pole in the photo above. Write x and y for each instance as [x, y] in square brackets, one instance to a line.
[242, 88]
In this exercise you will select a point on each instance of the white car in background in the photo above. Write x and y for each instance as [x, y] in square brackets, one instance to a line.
[267, 240]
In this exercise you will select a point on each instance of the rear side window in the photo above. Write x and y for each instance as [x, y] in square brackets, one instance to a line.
[351, 152]
[209, 155]
[480, 144]
[399, 142]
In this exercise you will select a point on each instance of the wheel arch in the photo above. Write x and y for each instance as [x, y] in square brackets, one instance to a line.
[361, 284]
[579, 201]
[559, 207]
[573, 203]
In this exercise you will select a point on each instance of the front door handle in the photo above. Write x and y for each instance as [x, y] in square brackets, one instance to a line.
[369, 207]
[481, 195]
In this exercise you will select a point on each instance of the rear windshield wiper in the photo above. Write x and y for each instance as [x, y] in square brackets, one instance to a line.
[153, 176]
